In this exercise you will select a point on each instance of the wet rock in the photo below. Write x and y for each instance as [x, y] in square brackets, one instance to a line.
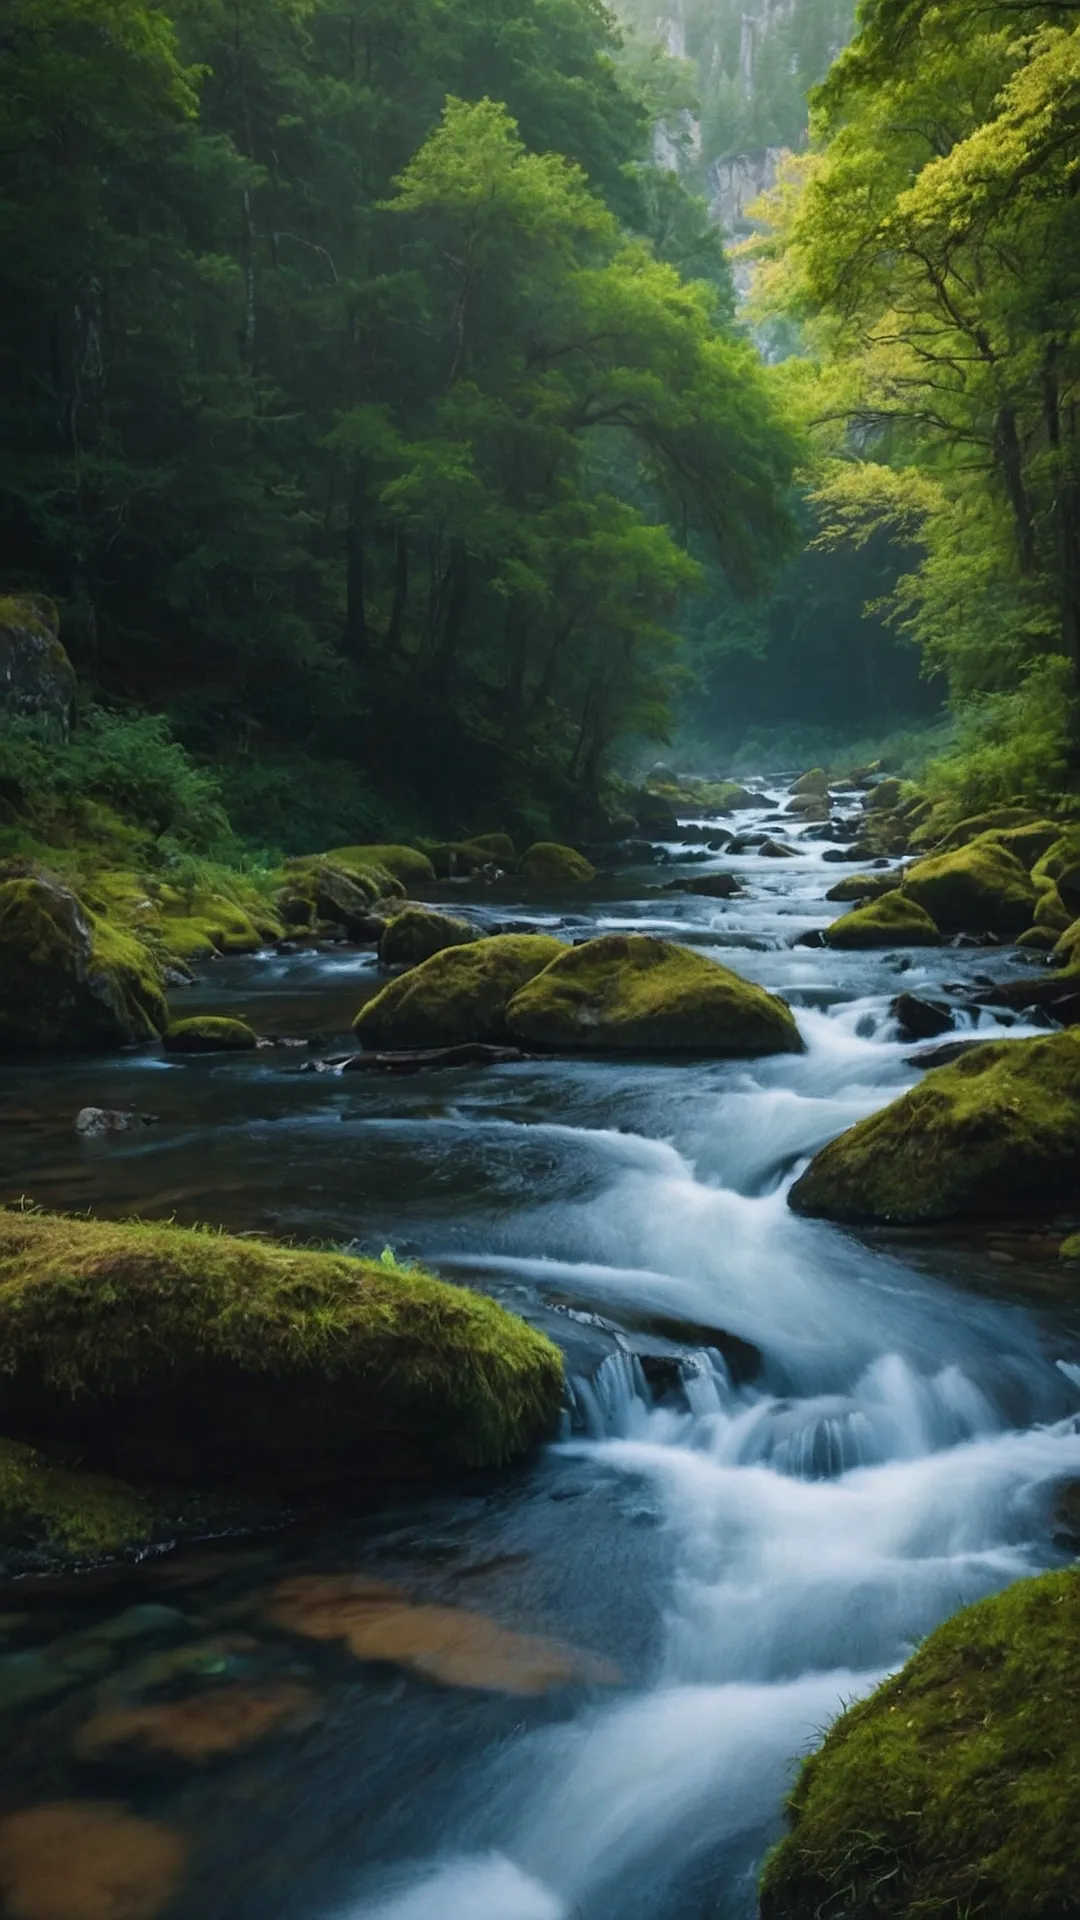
[209, 1033]
[746, 842]
[453, 1645]
[92, 1121]
[884, 796]
[815, 783]
[69, 978]
[944, 1055]
[471, 1053]
[631, 992]
[87, 1860]
[861, 887]
[203, 1727]
[918, 1019]
[654, 814]
[776, 850]
[458, 995]
[711, 886]
[416, 933]
[996, 1134]
[890, 921]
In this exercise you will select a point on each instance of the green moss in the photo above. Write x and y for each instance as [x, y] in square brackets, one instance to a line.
[893, 920]
[81, 1513]
[406, 864]
[497, 846]
[996, 1133]
[1059, 858]
[1000, 822]
[634, 993]
[981, 888]
[459, 994]
[1067, 946]
[814, 783]
[1051, 913]
[69, 978]
[1070, 1248]
[208, 1357]
[352, 896]
[209, 1033]
[547, 864]
[1037, 940]
[863, 886]
[885, 796]
[951, 1792]
[416, 933]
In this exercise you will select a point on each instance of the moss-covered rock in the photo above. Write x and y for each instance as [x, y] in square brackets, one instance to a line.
[37, 680]
[459, 994]
[78, 1513]
[816, 783]
[892, 920]
[1051, 913]
[885, 796]
[415, 933]
[498, 847]
[981, 888]
[326, 889]
[547, 864]
[1037, 940]
[209, 1033]
[995, 1134]
[205, 1359]
[863, 886]
[406, 864]
[457, 859]
[952, 1790]
[69, 978]
[1066, 948]
[1061, 862]
[632, 993]
[653, 813]
[996, 821]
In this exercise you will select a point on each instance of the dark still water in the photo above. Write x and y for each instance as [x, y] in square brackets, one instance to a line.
[663, 1612]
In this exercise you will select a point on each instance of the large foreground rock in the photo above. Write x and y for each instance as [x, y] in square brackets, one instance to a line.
[633, 993]
[982, 888]
[69, 978]
[459, 994]
[952, 1789]
[168, 1354]
[995, 1134]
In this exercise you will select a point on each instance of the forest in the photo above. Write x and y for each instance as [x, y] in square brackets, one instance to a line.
[539, 960]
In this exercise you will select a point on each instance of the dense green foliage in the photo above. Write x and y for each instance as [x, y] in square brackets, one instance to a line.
[354, 391]
[928, 248]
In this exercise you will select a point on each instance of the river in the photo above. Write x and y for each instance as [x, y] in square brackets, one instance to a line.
[739, 1545]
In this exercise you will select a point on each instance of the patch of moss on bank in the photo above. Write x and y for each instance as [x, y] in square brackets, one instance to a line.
[997, 1133]
[76, 1512]
[204, 1357]
[951, 1791]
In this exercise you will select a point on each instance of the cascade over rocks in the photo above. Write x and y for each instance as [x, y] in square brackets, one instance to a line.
[634, 993]
[995, 1134]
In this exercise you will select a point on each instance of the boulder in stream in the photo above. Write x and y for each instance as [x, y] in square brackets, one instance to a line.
[458, 995]
[210, 1033]
[632, 993]
[203, 1359]
[982, 888]
[69, 978]
[416, 933]
[952, 1789]
[815, 783]
[997, 1134]
[547, 864]
[892, 920]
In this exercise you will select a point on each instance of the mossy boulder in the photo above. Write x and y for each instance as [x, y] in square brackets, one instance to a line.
[498, 847]
[406, 864]
[547, 864]
[328, 889]
[37, 680]
[416, 933]
[209, 1033]
[1037, 940]
[1061, 864]
[885, 796]
[632, 993]
[77, 1513]
[1051, 913]
[951, 1790]
[982, 888]
[69, 978]
[892, 920]
[203, 1359]
[995, 1134]
[997, 821]
[457, 859]
[653, 813]
[459, 994]
[815, 783]
[863, 886]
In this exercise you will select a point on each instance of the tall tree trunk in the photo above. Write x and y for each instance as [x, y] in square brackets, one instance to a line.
[396, 628]
[357, 635]
[1011, 456]
[456, 602]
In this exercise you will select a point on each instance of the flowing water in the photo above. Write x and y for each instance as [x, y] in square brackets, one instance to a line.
[792, 1451]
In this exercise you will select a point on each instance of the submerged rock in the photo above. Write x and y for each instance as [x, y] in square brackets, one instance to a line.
[69, 978]
[87, 1860]
[997, 1133]
[952, 1789]
[634, 993]
[547, 864]
[416, 933]
[209, 1033]
[892, 920]
[458, 995]
[201, 1727]
[982, 888]
[200, 1358]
